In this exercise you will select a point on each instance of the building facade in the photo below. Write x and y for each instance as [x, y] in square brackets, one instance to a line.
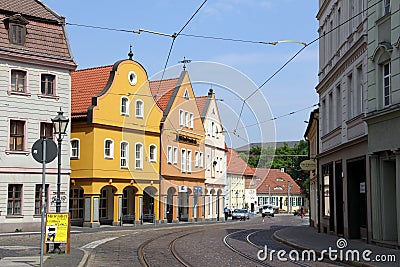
[276, 188]
[35, 81]
[383, 118]
[115, 146]
[311, 135]
[342, 160]
[182, 150]
[215, 156]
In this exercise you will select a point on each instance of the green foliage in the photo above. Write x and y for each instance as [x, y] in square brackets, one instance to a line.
[260, 157]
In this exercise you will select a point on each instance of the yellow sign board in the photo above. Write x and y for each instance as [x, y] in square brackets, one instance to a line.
[57, 227]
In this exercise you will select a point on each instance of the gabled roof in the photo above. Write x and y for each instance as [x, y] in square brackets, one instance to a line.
[87, 83]
[201, 102]
[162, 91]
[33, 8]
[236, 165]
[275, 178]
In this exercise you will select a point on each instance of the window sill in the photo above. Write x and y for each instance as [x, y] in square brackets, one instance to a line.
[48, 96]
[124, 167]
[139, 117]
[140, 168]
[17, 216]
[74, 158]
[125, 114]
[153, 161]
[109, 158]
[18, 93]
[8, 152]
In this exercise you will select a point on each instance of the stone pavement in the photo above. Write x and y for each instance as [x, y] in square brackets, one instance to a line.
[307, 238]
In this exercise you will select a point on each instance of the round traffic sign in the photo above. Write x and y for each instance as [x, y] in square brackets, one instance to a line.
[51, 150]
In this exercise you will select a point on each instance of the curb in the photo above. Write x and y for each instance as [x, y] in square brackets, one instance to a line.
[297, 246]
[84, 259]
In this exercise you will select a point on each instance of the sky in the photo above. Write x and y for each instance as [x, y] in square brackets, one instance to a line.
[291, 89]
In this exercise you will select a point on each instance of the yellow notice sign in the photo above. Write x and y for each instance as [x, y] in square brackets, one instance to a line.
[57, 227]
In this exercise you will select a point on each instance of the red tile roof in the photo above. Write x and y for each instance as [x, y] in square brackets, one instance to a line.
[272, 178]
[32, 8]
[86, 84]
[236, 165]
[162, 91]
[201, 103]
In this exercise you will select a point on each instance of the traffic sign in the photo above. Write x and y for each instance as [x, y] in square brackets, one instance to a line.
[51, 150]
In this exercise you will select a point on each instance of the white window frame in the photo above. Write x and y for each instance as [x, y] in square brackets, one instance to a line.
[191, 120]
[139, 159]
[77, 149]
[124, 157]
[169, 154]
[186, 119]
[387, 76]
[175, 155]
[183, 160]
[201, 161]
[212, 129]
[111, 154]
[154, 157]
[139, 111]
[181, 118]
[196, 159]
[189, 161]
[126, 112]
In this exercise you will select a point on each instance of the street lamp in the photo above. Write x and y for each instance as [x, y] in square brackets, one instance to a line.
[60, 124]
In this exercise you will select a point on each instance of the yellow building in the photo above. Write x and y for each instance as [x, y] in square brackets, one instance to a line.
[115, 146]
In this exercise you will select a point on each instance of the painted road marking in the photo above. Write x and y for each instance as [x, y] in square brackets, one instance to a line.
[96, 243]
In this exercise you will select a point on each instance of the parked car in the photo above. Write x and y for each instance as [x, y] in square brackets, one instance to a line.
[268, 210]
[241, 214]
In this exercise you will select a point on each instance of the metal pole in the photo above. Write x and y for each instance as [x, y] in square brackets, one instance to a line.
[269, 195]
[288, 193]
[43, 202]
[58, 200]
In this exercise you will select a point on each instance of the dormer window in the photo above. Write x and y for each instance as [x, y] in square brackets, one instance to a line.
[16, 29]
[279, 179]
[278, 188]
[186, 94]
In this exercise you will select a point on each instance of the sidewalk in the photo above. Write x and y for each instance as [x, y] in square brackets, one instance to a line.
[307, 238]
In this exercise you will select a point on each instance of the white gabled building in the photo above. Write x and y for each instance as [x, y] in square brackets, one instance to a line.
[35, 82]
[215, 157]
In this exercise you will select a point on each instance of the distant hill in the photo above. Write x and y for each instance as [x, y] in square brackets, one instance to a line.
[246, 148]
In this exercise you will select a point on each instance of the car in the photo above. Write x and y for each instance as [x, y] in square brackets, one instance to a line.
[268, 210]
[241, 214]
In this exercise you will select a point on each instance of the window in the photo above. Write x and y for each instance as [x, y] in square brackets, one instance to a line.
[186, 94]
[331, 110]
[48, 84]
[108, 149]
[212, 129]
[125, 106]
[360, 89]
[278, 188]
[139, 156]
[326, 195]
[14, 199]
[350, 96]
[46, 130]
[169, 154]
[181, 118]
[201, 163]
[18, 81]
[17, 135]
[186, 119]
[386, 7]
[386, 84]
[153, 153]
[74, 148]
[124, 155]
[76, 203]
[38, 198]
[220, 165]
[196, 159]
[183, 160]
[175, 155]
[189, 161]
[139, 109]
[208, 163]
[191, 119]
[338, 106]
[16, 34]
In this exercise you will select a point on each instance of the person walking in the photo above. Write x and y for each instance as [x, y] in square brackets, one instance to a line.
[226, 212]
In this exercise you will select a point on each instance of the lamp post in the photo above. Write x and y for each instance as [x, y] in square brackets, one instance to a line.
[237, 194]
[60, 124]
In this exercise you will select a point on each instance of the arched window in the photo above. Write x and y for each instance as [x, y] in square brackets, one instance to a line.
[139, 156]
[108, 149]
[75, 148]
[153, 153]
[124, 152]
[124, 106]
[139, 109]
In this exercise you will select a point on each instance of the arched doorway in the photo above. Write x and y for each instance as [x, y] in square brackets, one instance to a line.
[183, 205]
[170, 204]
[128, 204]
[106, 205]
[148, 204]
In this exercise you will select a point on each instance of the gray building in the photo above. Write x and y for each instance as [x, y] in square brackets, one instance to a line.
[383, 118]
[343, 169]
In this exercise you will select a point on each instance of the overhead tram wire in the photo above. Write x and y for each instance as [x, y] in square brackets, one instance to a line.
[298, 52]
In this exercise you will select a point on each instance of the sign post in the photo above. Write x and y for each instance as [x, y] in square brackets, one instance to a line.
[43, 151]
